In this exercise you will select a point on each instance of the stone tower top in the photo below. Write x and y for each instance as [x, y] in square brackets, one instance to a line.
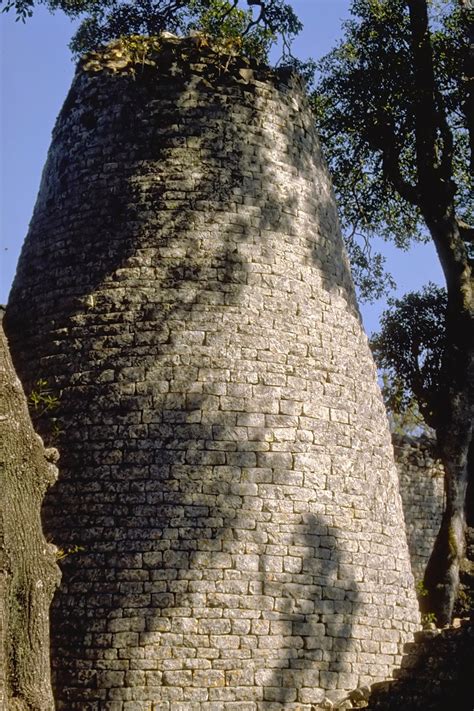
[129, 55]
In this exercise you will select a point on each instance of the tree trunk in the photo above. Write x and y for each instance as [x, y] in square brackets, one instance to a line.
[442, 575]
[437, 189]
[454, 422]
[28, 570]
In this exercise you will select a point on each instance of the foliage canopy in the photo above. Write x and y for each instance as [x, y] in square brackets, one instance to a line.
[366, 105]
[364, 100]
[409, 349]
[258, 24]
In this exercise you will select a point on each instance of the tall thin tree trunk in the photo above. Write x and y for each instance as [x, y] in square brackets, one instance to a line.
[442, 574]
[28, 570]
[454, 430]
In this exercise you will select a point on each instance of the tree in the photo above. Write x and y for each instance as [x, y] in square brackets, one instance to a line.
[395, 110]
[28, 570]
[409, 350]
[257, 26]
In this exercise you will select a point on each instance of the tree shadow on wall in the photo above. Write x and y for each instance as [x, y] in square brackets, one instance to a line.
[315, 620]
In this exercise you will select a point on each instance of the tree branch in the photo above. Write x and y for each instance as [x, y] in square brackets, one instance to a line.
[434, 174]
[466, 231]
[229, 11]
[446, 160]
[467, 14]
[387, 143]
[391, 169]
[260, 18]
[424, 103]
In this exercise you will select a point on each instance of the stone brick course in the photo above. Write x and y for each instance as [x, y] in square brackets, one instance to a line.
[435, 675]
[226, 464]
[421, 477]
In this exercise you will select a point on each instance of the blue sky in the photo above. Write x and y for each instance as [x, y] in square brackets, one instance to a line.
[36, 72]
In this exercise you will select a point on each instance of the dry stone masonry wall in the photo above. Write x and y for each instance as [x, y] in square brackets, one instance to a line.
[421, 477]
[435, 675]
[226, 466]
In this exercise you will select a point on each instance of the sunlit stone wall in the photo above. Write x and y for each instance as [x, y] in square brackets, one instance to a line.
[226, 466]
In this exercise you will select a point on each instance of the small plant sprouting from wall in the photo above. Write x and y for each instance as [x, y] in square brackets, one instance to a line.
[42, 401]
[130, 53]
[62, 553]
[427, 618]
[421, 590]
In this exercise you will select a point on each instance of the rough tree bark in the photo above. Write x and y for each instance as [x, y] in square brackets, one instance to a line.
[29, 572]
[435, 199]
[433, 191]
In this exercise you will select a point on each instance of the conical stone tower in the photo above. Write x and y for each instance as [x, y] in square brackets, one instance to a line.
[226, 467]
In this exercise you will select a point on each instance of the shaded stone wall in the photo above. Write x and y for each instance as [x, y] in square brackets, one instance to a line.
[422, 489]
[436, 673]
[226, 467]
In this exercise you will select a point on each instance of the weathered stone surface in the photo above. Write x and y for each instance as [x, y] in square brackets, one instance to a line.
[226, 464]
[436, 674]
[422, 489]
